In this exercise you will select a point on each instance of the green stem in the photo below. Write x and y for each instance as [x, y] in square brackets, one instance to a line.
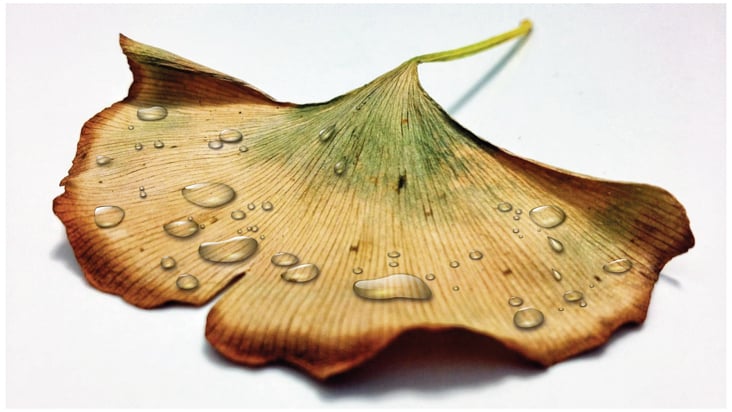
[523, 29]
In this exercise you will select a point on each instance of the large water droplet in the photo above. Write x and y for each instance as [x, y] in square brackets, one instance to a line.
[528, 318]
[167, 262]
[103, 160]
[505, 207]
[618, 266]
[475, 255]
[236, 249]
[515, 301]
[284, 259]
[215, 144]
[108, 216]
[547, 216]
[186, 282]
[556, 245]
[556, 274]
[152, 113]
[326, 133]
[238, 214]
[230, 135]
[573, 296]
[393, 254]
[208, 194]
[181, 228]
[399, 286]
[301, 273]
[339, 167]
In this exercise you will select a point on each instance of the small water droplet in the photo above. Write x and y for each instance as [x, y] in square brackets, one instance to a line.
[103, 160]
[267, 206]
[430, 276]
[108, 216]
[236, 249]
[547, 216]
[519, 211]
[505, 207]
[393, 264]
[181, 228]
[243, 149]
[520, 236]
[215, 144]
[143, 194]
[357, 271]
[238, 214]
[190, 218]
[326, 133]
[284, 259]
[618, 266]
[186, 282]
[167, 262]
[556, 245]
[454, 264]
[516, 217]
[515, 230]
[202, 225]
[561, 309]
[240, 231]
[398, 286]
[261, 237]
[301, 273]
[130, 127]
[230, 135]
[515, 301]
[475, 255]
[528, 318]
[138, 146]
[556, 274]
[583, 304]
[141, 188]
[393, 254]
[456, 288]
[251, 206]
[573, 296]
[152, 113]
[208, 194]
[592, 285]
[340, 167]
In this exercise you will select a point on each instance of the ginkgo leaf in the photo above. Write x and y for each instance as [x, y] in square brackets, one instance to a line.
[350, 222]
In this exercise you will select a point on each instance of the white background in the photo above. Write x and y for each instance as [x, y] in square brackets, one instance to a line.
[633, 93]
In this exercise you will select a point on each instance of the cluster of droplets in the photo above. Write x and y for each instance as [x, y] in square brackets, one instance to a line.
[227, 136]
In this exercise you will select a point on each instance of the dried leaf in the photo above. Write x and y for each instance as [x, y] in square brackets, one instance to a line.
[353, 221]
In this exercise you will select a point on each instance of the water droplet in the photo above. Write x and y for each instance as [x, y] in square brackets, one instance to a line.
[519, 211]
[208, 194]
[141, 188]
[454, 264]
[528, 318]
[261, 237]
[326, 133]
[240, 231]
[393, 264]
[138, 146]
[573, 296]
[618, 266]
[556, 245]
[108, 216]
[592, 285]
[238, 214]
[103, 160]
[230, 135]
[254, 228]
[456, 288]
[520, 236]
[267, 206]
[515, 301]
[202, 225]
[301, 273]
[167, 262]
[251, 206]
[143, 194]
[516, 217]
[515, 230]
[357, 271]
[181, 228]
[152, 113]
[505, 207]
[583, 304]
[556, 274]
[561, 309]
[284, 259]
[215, 144]
[547, 216]
[430, 276]
[236, 249]
[399, 286]
[340, 167]
[475, 255]
[186, 282]
[393, 254]
[158, 144]
[243, 149]
[130, 127]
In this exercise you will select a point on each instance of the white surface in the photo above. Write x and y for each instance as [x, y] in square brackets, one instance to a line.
[631, 93]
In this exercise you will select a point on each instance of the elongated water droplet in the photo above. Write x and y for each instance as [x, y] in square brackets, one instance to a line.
[284, 259]
[339, 167]
[103, 160]
[152, 113]
[301, 273]
[547, 216]
[138, 146]
[504, 207]
[528, 318]
[267, 206]
[108, 216]
[238, 215]
[243, 149]
[573, 296]
[357, 271]
[167, 262]
[326, 133]
[454, 264]
[208, 194]
[398, 286]
[515, 301]
[556, 245]
[393, 254]
[430, 276]
[393, 264]
[556, 274]
[186, 282]
[181, 228]
[215, 144]
[236, 249]
[158, 144]
[475, 255]
[251, 206]
[230, 136]
[618, 266]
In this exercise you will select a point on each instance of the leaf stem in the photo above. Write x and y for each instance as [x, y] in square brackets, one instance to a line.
[523, 29]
